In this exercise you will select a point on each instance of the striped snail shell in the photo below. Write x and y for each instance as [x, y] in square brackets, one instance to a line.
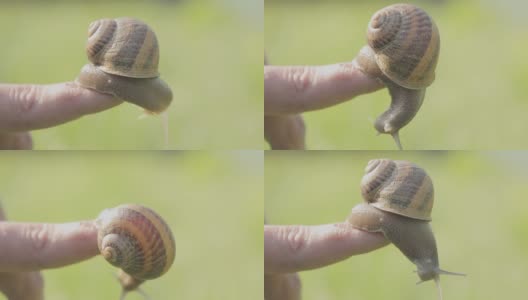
[137, 240]
[398, 202]
[123, 46]
[124, 57]
[403, 48]
[398, 187]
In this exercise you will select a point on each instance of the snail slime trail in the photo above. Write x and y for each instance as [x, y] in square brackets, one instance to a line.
[165, 125]
[399, 198]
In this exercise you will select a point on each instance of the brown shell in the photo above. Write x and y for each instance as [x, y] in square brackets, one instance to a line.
[124, 46]
[137, 240]
[407, 43]
[399, 187]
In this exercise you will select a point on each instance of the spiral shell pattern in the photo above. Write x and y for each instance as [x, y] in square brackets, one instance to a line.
[407, 44]
[137, 240]
[123, 46]
[399, 187]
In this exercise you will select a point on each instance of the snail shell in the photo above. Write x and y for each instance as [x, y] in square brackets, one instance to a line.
[124, 56]
[398, 187]
[406, 44]
[403, 48]
[123, 46]
[137, 240]
[398, 202]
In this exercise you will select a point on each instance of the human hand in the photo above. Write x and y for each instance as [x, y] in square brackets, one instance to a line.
[292, 90]
[294, 248]
[26, 248]
[25, 107]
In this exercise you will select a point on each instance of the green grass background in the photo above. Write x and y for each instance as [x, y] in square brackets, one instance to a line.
[210, 55]
[213, 203]
[480, 220]
[478, 100]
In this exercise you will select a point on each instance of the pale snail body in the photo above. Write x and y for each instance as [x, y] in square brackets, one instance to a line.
[124, 56]
[399, 199]
[137, 240]
[403, 48]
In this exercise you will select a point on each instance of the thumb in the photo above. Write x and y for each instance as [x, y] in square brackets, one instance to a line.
[22, 285]
[15, 141]
[285, 132]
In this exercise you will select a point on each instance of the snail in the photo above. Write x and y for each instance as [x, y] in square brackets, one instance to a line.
[124, 57]
[399, 198]
[402, 51]
[138, 241]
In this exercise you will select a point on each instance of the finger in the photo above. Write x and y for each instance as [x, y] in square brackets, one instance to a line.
[295, 248]
[25, 107]
[282, 287]
[22, 286]
[284, 132]
[15, 141]
[296, 89]
[35, 246]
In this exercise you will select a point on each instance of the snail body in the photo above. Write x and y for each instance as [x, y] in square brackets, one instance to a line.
[402, 51]
[137, 240]
[124, 57]
[399, 199]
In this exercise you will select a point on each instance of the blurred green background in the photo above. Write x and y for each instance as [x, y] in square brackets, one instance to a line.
[213, 203]
[480, 220]
[210, 55]
[478, 100]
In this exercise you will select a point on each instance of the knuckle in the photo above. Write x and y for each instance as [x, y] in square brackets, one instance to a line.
[295, 237]
[301, 78]
[25, 98]
[38, 236]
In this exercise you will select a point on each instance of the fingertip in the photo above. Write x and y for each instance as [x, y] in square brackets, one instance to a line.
[360, 241]
[359, 81]
[297, 89]
[68, 243]
[25, 107]
[35, 246]
[88, 101]
[352, 240]
[87, 231]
